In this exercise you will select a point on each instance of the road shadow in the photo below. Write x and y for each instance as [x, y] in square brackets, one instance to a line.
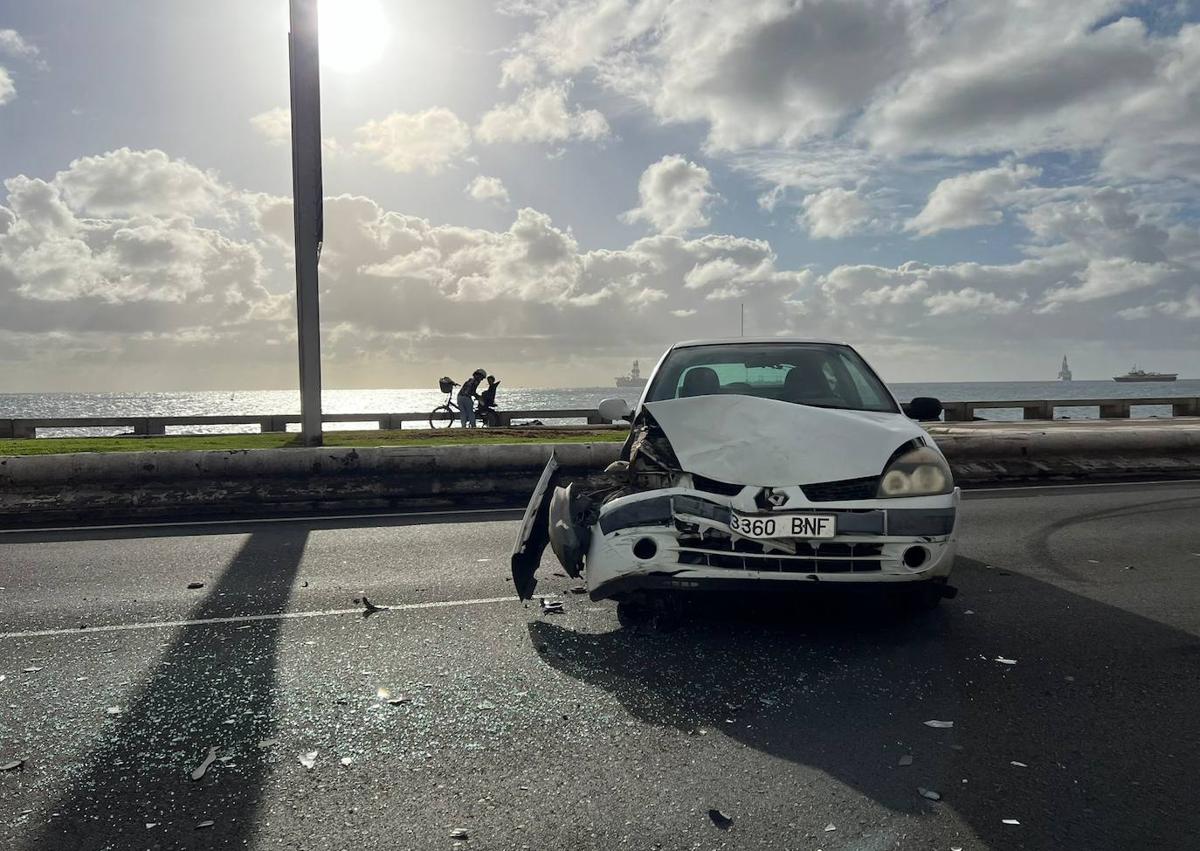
[213, 686]
[1100, 705]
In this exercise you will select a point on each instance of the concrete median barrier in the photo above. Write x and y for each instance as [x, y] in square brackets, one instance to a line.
[109, 487]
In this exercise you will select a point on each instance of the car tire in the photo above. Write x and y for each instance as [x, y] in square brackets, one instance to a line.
[921, 599]
[633, 614]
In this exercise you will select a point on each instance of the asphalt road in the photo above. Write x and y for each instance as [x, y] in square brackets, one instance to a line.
[567, 731]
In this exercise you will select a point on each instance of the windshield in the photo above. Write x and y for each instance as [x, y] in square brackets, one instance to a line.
[819, 374]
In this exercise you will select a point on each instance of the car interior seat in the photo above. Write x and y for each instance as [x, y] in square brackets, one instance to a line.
[806, 382]
[700, 381]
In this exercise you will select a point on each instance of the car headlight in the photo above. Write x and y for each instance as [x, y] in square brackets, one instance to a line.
[922, 472]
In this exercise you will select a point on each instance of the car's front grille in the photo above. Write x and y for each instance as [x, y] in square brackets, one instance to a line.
[844, 490]
[714, 550]
[714, 486]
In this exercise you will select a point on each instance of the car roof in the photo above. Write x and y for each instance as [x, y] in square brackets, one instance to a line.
[731, 341]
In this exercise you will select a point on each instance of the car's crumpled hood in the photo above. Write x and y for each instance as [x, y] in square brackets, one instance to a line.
[753, 441]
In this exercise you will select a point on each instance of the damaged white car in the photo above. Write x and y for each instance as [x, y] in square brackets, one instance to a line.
[768, 463]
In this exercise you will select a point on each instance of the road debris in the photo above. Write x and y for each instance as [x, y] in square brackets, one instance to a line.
[940, 725]
[720, 819]
[308, 760]
[552, 607]
[459, 833]
[486, 706]
[1009, 821]
[829, 828]
[32, 669]
[267, 743]
[150, 825]
[13, 765]
[578, 589]
[204, 824]
[369, 608]
[199, 770]
[192, 586]
[113, 710]
[905, 760]
[1093, 561]
[929, 793]
[1018, 764]
[1130, 567]
[346, 760]
[396, 701]
[1004, 661]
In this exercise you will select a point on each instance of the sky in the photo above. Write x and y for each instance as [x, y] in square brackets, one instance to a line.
[549, 189]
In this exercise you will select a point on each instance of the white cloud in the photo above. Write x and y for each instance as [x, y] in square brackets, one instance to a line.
[970, 300]
[274, 125]
[972, 199]
[675, 195]
[518, 70]
[834, 213]
[129, 182]
[8, 89]
[1106, 278]
[484, 188]
[407, 142]
[541, 115]
[956, 78]
[13, 44]
[1091, 223]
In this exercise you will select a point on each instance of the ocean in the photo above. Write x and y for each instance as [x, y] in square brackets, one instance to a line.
[397, 401]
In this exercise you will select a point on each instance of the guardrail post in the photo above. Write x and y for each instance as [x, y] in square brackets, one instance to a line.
[273, 424]
[504, 419]
[6, 428]
[1186, 408]
[1117, 409]
[594, 418]
[23, 431]
[1040, 411]
[155, 427]
[955, 412]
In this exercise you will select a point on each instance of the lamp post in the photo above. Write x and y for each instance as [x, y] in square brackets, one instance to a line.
[305, 74]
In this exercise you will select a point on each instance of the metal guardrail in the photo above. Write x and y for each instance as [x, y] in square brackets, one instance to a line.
[1034, 409]
[27, 427]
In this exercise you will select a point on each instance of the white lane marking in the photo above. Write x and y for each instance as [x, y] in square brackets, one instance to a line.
[280, 616]
[253, 521]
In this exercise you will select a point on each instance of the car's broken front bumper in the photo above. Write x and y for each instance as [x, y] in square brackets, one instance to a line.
[681, 538]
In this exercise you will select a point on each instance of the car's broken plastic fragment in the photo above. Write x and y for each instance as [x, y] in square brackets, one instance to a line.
[199, 770]
[720, 819]
[940, 725]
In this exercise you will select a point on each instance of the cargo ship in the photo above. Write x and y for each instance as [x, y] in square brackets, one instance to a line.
[634, 379]
[1136, 374]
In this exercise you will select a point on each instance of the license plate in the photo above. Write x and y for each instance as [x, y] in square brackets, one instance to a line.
[784, 525]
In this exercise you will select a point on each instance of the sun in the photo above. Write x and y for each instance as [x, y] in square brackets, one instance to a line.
[353, 33]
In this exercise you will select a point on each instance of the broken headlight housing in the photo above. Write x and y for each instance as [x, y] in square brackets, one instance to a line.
[921, 472]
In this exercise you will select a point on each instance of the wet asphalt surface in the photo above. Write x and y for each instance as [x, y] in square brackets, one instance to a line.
[568, 731]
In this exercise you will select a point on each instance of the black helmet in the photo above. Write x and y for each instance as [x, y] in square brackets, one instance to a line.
[479, 373]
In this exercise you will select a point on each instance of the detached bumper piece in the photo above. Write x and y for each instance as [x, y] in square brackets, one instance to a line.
[534, 534]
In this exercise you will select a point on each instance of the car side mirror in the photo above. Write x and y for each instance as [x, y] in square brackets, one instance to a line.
[615, 409]
[923, 409]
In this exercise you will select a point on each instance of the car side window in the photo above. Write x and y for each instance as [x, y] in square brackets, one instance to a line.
[868, 395]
